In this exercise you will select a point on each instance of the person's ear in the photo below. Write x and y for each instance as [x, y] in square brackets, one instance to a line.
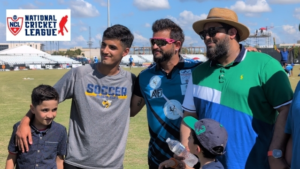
[232, 33]
[177, 46]
[32, 109]
[198, 149]
[126, 51]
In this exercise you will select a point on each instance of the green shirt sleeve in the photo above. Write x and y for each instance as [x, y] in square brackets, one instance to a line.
[276, 85]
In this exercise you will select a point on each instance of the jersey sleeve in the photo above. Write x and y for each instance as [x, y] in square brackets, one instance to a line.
[12, 148]
[188, 102]
[65, 86]
[276, 85]
[62, 146]
[137, 88]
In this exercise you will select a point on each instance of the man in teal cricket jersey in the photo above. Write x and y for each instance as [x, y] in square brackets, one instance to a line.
[242, 90]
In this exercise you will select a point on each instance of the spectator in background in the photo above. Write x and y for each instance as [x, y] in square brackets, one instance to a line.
[288, 69]
[284, 54]
[95, 60]
[130, 61]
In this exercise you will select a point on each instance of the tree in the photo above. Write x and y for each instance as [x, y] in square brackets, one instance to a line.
[78, 51]
[296, 51]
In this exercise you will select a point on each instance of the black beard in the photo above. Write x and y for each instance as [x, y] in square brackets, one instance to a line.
[166, 56]
[220, 50]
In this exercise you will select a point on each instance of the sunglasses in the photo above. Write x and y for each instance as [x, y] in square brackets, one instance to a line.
[161, 41]
[210, 31]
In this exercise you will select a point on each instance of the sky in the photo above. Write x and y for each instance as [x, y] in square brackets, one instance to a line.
[282, 17]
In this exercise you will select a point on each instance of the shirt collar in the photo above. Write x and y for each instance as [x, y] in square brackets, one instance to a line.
[34, 129]
[180, 64]
[237, 60]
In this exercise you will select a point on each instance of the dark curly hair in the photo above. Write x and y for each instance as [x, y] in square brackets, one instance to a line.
[121, 33]
[168, 24]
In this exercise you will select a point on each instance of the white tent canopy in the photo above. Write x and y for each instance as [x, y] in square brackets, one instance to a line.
[23, 51]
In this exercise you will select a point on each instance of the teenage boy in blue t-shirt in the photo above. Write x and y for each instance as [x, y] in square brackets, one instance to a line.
[49, 138]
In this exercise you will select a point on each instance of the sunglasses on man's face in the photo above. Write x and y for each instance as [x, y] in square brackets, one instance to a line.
[161, 41]
[210, 31]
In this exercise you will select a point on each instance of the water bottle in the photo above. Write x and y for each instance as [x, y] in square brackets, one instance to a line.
[177, 148]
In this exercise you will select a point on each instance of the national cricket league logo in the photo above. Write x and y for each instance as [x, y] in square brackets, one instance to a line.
[14, 24]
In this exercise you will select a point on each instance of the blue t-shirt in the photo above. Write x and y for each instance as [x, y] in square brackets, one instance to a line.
[130, 60]
[213, 165]
[284, 55]
[293, 127]
[289, 68]
[163, 94]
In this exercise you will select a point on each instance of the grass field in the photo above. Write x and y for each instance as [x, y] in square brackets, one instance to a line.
[15, 100]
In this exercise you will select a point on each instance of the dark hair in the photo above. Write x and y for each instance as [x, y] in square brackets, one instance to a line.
[167, 24]
[121, 33]
[227, 27]
[206, 153]
[43, 93]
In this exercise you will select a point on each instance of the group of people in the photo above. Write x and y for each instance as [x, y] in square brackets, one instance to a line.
[225, 114]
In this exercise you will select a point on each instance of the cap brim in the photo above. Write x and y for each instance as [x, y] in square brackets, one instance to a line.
[242, 29]
[190, 121]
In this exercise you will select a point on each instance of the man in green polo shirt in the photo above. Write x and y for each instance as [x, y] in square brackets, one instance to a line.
[242, 90]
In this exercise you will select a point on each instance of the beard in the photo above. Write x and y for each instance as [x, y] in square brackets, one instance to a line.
[166, 56]
[219, 51]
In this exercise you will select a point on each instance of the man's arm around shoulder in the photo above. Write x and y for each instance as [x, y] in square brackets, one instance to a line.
[136, 104]
[24, 132]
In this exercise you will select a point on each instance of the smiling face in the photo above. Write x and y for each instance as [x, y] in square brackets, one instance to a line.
[44, 113]
[163, 53]
[218, 45]
[112, 51]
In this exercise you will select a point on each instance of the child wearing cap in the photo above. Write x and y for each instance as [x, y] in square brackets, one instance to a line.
[208, 140]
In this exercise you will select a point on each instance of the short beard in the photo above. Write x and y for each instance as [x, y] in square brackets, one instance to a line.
[166, 56]
[219, 51]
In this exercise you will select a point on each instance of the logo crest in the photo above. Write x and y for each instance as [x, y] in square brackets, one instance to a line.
[14, 24]
[106, 103]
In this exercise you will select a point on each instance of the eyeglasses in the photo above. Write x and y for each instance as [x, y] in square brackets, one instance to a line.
[161, 41]
[211, 32]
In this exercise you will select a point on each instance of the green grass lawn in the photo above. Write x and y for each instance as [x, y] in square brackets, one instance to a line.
[15, 101]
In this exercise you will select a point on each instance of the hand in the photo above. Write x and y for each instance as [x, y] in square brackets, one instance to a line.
[23, 132]
[278, 163]
[181, 164]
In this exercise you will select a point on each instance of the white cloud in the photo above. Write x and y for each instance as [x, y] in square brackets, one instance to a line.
[101, 2]
[99, 37]
[83, 28]
[251, 7]
[297, 13]
[28, 6]
[188, 41]
[79, 39]
[151, 4]
[289, 29]
[187, 18]
[140, 40]
[284, 1]
[83, 9]
[147, 25]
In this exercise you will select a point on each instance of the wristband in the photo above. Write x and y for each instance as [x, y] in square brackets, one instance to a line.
[176, 163]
